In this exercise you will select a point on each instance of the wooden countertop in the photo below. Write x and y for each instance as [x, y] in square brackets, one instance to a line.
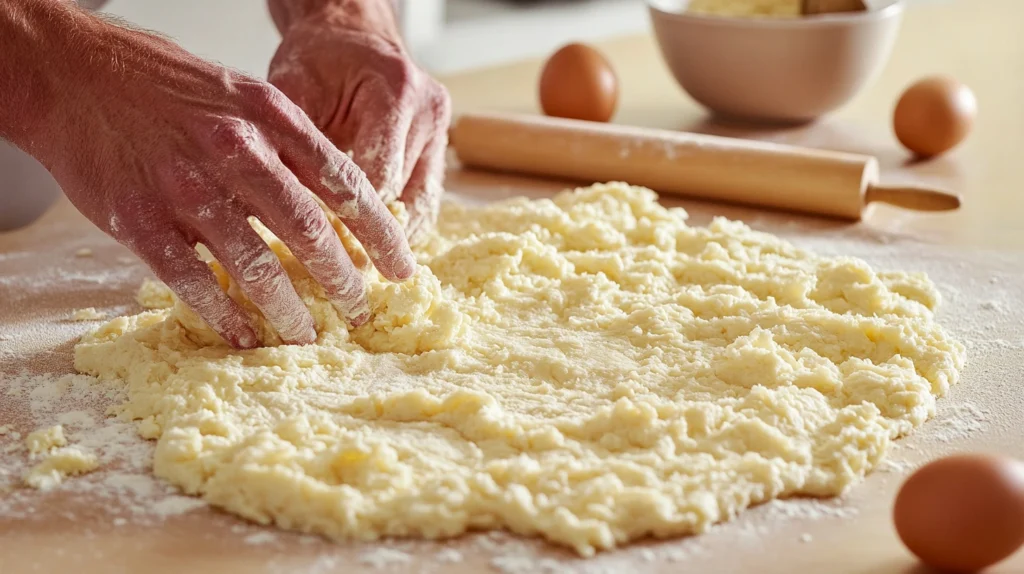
[977, 42]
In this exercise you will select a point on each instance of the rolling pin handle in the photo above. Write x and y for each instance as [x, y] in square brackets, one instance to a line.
[910, 197]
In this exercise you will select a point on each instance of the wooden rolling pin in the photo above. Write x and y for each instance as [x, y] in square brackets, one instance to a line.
[733, 170]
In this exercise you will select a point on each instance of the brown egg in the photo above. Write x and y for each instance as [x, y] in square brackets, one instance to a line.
[963, 513]
[578, 82]
[934, 115]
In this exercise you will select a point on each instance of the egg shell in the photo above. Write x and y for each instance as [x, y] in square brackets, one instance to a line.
[577, 82]
[964, 512]
[934, 115]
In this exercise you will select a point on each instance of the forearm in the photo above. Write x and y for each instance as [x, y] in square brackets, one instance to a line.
[36, 39]
[372, 15]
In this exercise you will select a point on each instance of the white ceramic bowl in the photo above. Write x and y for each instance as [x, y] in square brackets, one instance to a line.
[774, 69]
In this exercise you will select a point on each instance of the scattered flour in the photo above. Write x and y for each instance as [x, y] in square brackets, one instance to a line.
[448, 555]
[122, 482]
[84, 252]
[955, 422]
[896, 467]
[511, 564]
[383, 557]
[258, 538]
[175, 505]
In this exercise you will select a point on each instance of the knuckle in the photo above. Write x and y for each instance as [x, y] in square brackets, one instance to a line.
[440, 102]
[268, 98]
[402, 77]
[311, 223]
[272, 103]
[345, 180]
[352, 177]
[232, 137]
[257, 266]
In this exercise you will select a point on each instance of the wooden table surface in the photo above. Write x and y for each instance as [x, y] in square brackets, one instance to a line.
[977, 41]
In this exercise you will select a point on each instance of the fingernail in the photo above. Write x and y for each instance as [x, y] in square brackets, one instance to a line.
[361, 319]
[248, 340]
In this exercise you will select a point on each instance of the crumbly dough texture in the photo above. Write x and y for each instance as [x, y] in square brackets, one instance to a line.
[45, 439]
[588, 368]
[60, 464]
[87, 314]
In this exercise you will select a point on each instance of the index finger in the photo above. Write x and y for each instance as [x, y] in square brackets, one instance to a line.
[344, 188]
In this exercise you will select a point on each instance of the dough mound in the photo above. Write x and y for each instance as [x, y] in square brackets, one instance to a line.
[588, 368]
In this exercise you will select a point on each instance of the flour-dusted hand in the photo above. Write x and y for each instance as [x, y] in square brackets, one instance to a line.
[163, 151]
[343, 62]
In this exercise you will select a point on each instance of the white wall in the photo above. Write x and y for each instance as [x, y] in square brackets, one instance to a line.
[240, 34]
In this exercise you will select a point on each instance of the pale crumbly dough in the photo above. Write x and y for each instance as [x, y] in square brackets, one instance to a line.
[46, 439]
[589, 368]
[87, 314]
[60, 464]
[745, 8]
[154, 295]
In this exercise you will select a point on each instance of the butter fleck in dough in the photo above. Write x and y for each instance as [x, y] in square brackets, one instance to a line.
[588, 368]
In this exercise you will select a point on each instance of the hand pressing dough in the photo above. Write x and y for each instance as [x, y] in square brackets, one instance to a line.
[587, 368]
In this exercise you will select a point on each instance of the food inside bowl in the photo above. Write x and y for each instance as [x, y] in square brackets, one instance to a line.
[768, 8]
[745, 8]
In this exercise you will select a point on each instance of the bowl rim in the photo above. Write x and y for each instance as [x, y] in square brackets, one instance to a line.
[894, 9]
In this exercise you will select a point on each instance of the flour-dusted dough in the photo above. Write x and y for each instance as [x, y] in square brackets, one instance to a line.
[87, 314]
[45, 439]
[587, 368]
[58, 465]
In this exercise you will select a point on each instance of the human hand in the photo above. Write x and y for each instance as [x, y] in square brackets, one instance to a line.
[346, 67]
[163, 150]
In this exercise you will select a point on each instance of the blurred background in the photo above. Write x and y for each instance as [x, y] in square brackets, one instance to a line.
[454, 35]
[445, 36]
